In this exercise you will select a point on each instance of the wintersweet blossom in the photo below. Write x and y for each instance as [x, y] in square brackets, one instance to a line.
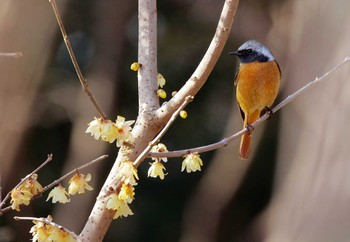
[123, 130]
[41, 231]
[161, 80]
[20, 196]
[78, 183]
[58, 194]
[33, 185]
[109, 131]
[95, 128]
[192, 163]
[102, 128]
[123, 211]
[160, 147]
[60, 235]
[126, 193]
[121, 207]
[24, 193]
[156, 169]
[127, 173]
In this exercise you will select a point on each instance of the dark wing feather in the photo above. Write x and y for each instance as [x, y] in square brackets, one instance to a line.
[236, 82]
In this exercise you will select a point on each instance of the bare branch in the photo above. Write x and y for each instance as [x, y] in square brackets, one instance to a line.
[74, 60]
[56, 182]
[208, 62]
[225, 141]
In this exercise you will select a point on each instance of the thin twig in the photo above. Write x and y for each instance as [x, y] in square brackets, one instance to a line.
[11, 54]
[156, 140]
[56, 182]
[49, 158]
[47, 221]
[74, 60]
[225, 141]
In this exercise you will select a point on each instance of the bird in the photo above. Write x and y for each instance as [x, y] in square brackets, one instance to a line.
[257, 83]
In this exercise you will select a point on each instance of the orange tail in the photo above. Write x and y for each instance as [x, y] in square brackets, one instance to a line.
[244, 149]
[246, 139]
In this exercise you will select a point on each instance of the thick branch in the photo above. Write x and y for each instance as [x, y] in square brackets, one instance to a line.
[208, 62]
[147, 56]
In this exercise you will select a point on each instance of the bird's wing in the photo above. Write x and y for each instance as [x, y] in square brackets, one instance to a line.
[235, 83]
[236, 78]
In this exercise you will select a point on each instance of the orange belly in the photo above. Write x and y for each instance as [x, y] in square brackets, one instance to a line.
[257, 86]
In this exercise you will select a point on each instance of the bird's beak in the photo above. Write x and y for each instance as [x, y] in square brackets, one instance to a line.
[232, 53]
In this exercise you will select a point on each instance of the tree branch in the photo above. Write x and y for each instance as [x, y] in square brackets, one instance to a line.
[147, 57]
[74, 60]
[225, 141]
[208, 62]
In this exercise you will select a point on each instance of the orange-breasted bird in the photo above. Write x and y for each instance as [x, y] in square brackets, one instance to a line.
[257, 81]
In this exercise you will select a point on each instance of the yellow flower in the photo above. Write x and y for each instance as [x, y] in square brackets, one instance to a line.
[161, 93]
[108, 131]
[33, 185]
[58, 194]
[160, 147]
[127, 173]
[156, 169]
[135, 66]
[78, 183]
[60, 235]
[24, 193]
[183, 114]
[41, 231]
[20, 196]
[121, 207]
[123, 130]
[104, 129]
[95, 128]
[126, 193]
[161, 80]
[192, 163]
[123, 211]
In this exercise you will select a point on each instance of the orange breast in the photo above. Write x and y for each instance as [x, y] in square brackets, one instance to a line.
[257, 85]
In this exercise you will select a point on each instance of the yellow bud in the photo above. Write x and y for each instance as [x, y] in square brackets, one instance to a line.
[161, 93]
[173, 93]
[183, 114]
[135, 66]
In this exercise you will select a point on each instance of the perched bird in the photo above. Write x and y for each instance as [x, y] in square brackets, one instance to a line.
[257, 81]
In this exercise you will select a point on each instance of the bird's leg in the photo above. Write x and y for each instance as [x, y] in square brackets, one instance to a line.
[250, 129]
[269, 112]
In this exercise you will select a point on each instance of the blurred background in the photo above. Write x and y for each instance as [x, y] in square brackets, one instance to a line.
[294, 187]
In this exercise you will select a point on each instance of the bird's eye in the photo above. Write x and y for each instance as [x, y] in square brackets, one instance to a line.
[248, 51]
